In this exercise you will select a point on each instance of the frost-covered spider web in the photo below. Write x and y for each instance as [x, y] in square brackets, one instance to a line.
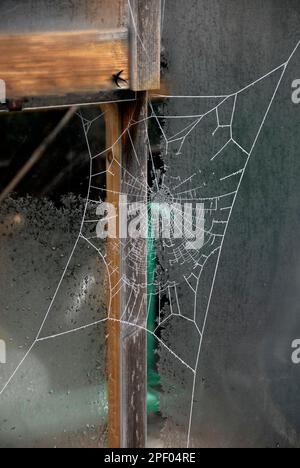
[182, 275]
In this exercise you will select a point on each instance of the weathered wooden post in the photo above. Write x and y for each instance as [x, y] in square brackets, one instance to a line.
[128, 343]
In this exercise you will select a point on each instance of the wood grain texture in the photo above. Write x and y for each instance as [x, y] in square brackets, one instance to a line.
[127, 340]
[113, 130]
[134, 296]
[145, 17]
[53, 64]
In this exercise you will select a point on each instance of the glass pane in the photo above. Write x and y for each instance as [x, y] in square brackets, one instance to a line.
[227, 342]
[53, 301]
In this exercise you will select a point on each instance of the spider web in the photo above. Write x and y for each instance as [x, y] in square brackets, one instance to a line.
[219, 171]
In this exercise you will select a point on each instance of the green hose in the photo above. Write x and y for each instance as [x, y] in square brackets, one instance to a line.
[153, 376]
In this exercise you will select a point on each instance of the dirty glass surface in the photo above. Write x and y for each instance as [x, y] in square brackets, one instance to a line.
[52, 288]
[227, 339]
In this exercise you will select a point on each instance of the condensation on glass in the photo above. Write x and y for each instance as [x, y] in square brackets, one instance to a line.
[236, 384]
[52, 283]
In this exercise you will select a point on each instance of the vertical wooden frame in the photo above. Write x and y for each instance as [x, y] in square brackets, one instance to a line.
[134, 297]
[145, 39]
[113, 124]
[127, 339]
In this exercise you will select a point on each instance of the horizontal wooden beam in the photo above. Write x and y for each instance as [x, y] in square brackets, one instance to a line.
[59, 63]
[89, 99]
[38, 103]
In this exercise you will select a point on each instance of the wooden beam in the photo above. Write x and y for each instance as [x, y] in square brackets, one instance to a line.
[113, 184]
[58, 63]
[127, 258]
[134, 295]
[39, 103]
[90, 99]
[145, 30]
